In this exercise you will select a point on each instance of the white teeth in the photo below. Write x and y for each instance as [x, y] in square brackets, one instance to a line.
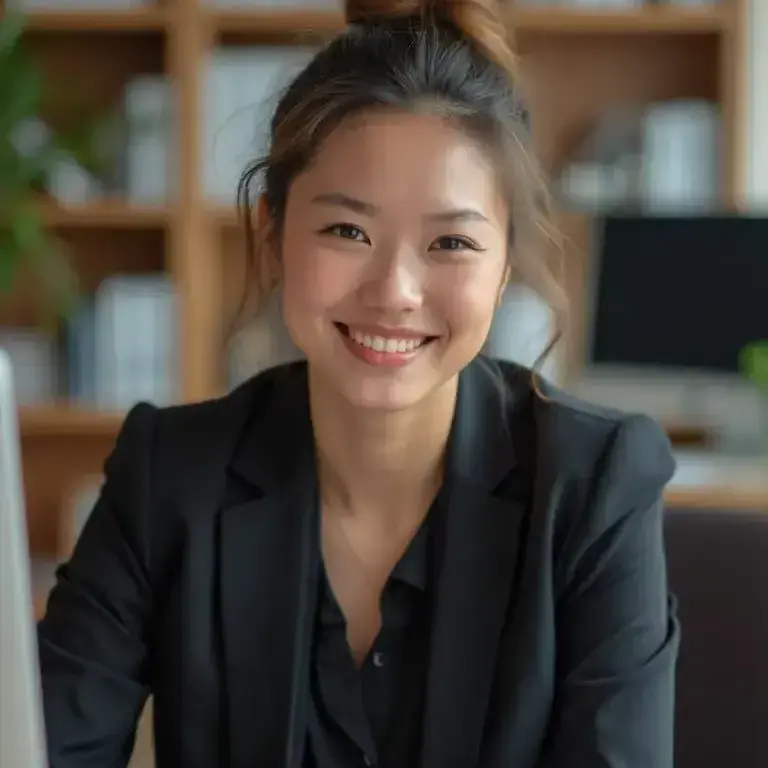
[381, 344]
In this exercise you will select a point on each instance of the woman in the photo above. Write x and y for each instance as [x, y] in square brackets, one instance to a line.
[398, 553]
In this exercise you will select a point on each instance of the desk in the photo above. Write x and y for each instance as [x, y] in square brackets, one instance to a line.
[708, 480]
[718, 497]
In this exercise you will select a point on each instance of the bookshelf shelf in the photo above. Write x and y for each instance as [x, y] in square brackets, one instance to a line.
[150, 19]
[67, 420]
[650, 20]
[266, 22]
[106, 215]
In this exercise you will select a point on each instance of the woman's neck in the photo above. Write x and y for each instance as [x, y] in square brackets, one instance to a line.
[386, 464]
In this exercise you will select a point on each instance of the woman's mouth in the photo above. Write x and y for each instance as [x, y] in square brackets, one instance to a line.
[378, 349]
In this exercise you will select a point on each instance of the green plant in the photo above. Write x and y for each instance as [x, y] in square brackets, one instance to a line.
[754, 363]
[25, 242]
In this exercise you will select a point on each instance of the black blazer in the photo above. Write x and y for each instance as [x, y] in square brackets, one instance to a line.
[553, 642]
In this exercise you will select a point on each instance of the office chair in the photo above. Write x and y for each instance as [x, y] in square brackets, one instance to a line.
[718, 568]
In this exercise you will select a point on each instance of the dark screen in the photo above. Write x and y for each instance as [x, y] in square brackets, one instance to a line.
[680, 292]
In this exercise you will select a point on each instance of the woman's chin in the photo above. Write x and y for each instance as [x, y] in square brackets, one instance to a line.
[382, 395]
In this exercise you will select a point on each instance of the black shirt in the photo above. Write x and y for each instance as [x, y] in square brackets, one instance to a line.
[368, 716]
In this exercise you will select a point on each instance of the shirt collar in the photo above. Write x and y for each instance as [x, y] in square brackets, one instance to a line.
[413, 566]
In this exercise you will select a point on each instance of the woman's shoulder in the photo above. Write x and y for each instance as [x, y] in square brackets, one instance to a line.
[223, 417]
[187, 446]
[580, 440]
[591, 470]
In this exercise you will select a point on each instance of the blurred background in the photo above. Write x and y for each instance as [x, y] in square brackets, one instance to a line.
[124, 127]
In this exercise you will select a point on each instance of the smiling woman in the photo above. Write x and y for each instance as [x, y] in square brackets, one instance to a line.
[419, 165]
[415, 249]
[397, 552]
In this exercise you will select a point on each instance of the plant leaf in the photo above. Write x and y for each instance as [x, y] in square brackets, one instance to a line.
[51, 263]
[28, 229]
[11, 28]
[10, 258]
[754, 362]
[24, 239]
[20, 89]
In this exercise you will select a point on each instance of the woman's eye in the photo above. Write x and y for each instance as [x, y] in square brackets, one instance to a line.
[348, 232]
[454, 244]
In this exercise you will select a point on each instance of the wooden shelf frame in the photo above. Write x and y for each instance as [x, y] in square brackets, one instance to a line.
[107, 214]
[144, 19]
[65, 419]
[167, 17]
[651, 20]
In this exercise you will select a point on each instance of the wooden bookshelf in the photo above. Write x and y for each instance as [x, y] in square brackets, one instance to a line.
[576, 63]
[119, 21]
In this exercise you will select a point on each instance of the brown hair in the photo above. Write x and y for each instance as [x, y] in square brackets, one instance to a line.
[450, 55]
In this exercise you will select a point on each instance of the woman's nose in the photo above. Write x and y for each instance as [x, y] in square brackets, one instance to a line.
[395, 282]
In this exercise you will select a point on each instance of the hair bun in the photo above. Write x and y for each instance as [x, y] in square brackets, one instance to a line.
[479, 21]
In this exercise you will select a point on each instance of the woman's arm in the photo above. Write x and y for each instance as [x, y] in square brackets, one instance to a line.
[94, 636]
[617, 630]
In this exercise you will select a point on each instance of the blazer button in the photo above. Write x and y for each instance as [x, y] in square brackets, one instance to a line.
[378, 659]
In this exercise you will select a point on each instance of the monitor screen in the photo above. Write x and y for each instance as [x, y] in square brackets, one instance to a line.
[684, 293]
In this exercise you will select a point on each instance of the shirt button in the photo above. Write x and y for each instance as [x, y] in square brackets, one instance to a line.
[378, 660]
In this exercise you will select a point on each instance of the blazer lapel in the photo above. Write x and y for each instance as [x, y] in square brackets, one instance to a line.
[269, 550]
[478, 536]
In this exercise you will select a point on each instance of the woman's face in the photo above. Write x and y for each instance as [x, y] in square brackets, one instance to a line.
[394, 252]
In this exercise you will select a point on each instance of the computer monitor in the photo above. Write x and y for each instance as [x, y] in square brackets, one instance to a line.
[679, 295]
[22, 739]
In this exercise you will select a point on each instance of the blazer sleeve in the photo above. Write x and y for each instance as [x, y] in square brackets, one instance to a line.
[617, 628]
[93, 639]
